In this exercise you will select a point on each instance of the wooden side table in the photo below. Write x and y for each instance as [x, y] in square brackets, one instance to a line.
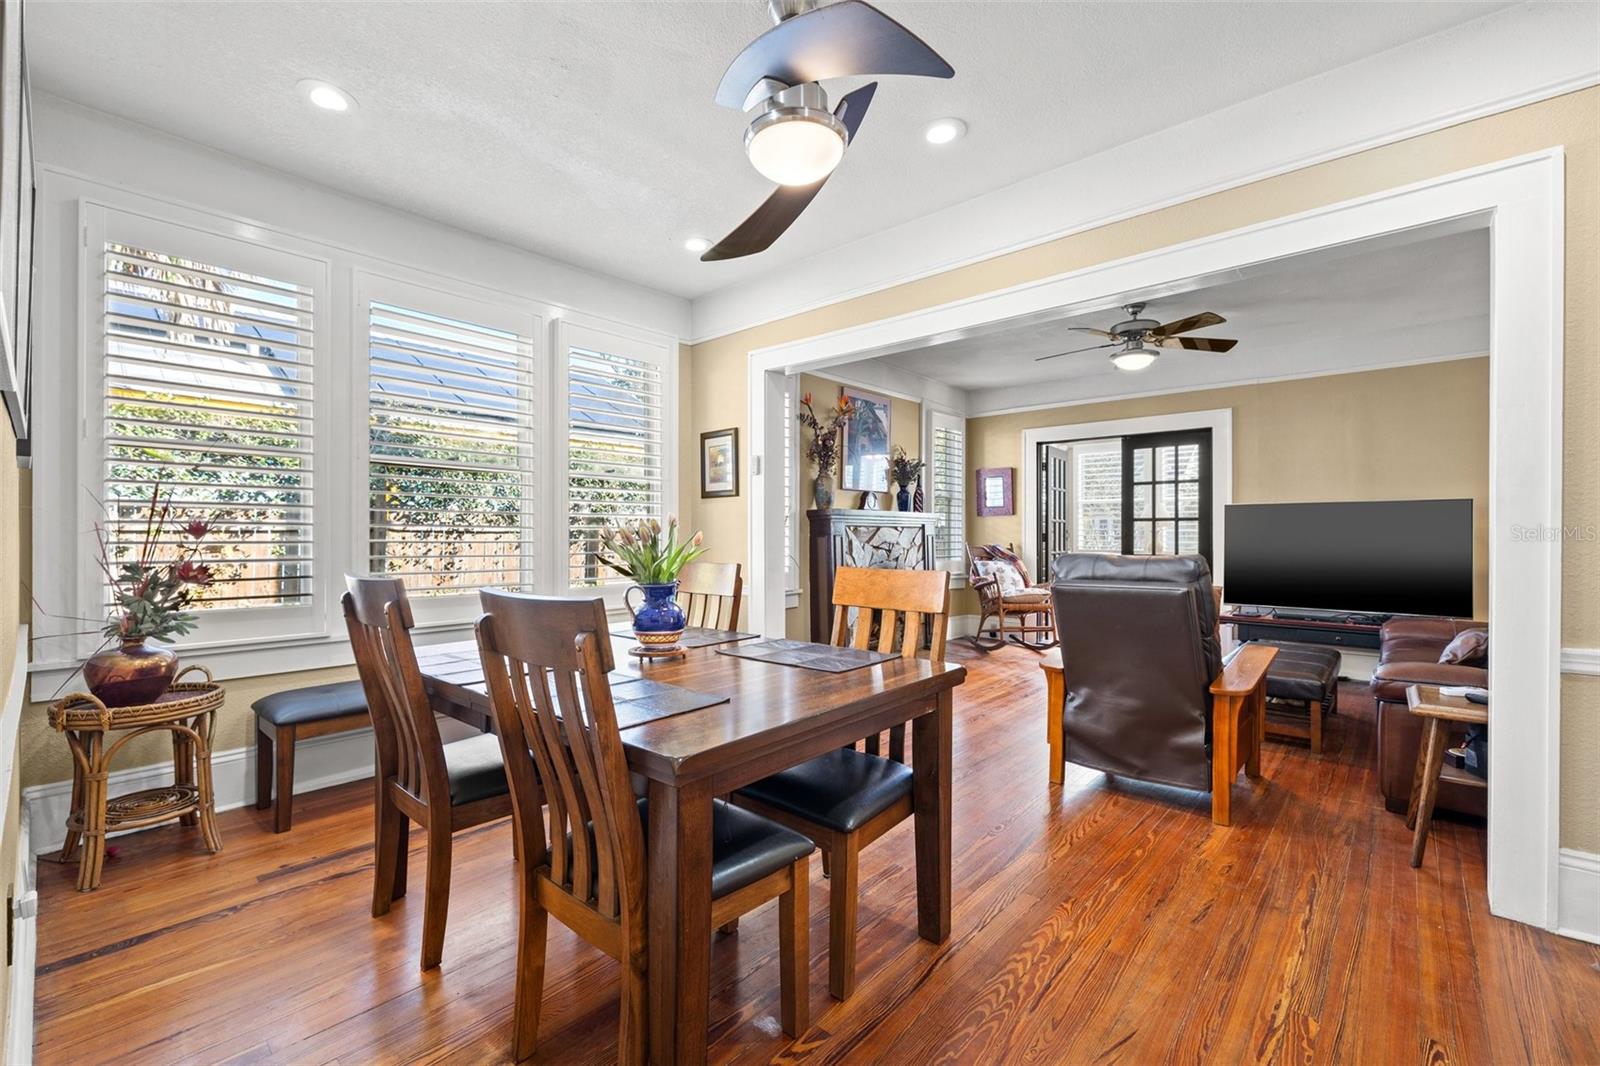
[1440, 712]
[188, 711]
[1054, 727]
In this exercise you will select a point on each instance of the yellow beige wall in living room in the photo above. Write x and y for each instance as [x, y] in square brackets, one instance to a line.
[1416, 432]
[718, 377]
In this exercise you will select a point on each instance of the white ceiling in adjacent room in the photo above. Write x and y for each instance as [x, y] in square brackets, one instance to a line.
[587, 131]
[1407, 298]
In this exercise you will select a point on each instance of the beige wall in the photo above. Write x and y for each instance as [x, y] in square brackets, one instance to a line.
[718, 378]
[1416, 432]
[905, 429]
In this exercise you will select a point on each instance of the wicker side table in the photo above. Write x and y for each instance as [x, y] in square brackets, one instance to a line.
[188, 711]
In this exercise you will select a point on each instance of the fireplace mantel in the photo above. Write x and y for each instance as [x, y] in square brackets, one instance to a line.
[899, 540]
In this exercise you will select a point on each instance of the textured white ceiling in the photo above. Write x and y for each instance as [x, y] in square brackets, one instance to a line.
[1423, 296]
[586, 131]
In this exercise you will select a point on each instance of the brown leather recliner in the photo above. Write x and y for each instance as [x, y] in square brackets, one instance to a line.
[1139, 650]
[1409, 655]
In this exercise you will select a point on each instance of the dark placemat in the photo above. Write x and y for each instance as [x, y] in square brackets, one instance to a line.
[806, 655]
[694, 637]
[639, 700]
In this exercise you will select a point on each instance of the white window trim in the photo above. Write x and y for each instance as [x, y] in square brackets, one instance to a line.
[1219, 421]
[370, 286]
[584, 332]
[100, 223]
[792, 587]
[68, 464]
[931, 414]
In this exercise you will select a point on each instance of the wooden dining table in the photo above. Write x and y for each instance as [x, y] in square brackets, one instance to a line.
[775, 716]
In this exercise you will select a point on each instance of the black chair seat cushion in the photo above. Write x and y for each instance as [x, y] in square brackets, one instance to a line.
[745, 847]
[1299, 672]
[298, 705]
[476, 768]
[842, 790]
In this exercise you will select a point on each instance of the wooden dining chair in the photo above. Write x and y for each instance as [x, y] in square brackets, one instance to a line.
[546, 662]
[848, 798]
[710, 594]
[442, 787]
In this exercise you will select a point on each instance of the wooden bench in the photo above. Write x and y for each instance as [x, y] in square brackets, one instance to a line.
[298, 714]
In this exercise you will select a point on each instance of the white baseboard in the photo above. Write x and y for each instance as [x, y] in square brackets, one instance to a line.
[960, 625]
[319, 762]
[1578, 895]
[24, 951]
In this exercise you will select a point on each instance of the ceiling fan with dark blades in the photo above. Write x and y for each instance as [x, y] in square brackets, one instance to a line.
[1138, 338]
[793, 138]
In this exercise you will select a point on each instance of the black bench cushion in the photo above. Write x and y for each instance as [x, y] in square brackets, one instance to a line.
[476, 768]
[314, 704]
[842, 790]
[745, 847]
[1299, 672]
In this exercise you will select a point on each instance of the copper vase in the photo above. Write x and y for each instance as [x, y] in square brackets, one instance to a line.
[132, 674]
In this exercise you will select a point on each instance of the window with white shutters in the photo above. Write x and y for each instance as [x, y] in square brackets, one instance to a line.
[948, 480]
[450, 441]
[208, 391]
[791, 504]
[616, 420]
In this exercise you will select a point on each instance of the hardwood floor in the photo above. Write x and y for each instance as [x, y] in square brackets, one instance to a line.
[1094, 921]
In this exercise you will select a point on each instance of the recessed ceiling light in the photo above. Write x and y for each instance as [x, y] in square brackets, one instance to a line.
[328, 97]
[697, 244]
[944, 130]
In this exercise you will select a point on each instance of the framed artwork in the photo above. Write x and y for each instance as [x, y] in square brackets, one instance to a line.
[719, 463]
[864, 465]
[994, 491]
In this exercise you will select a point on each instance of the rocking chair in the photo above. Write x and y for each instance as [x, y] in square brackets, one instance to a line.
[1012, 609]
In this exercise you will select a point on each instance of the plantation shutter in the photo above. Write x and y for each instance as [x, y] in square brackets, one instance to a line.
[615, 443]
[791, 510]
[949, 480]
[450, 426]
[208, 391]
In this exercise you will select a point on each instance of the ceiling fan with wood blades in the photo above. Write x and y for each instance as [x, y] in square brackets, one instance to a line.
[1138, 339]
[794, 139]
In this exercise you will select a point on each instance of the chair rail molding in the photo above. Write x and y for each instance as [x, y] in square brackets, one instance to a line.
[1521, 201]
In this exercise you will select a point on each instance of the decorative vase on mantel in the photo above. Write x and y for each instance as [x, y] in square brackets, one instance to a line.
[822, 492]
[131, 674]
[902, 499]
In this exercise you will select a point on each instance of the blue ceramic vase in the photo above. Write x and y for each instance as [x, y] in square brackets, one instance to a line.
[659, 622]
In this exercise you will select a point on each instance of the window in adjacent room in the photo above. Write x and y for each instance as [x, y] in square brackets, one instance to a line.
[947, 481]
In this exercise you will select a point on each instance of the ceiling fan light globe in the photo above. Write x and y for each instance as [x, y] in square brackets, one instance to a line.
[1134, 359]
[795, 146]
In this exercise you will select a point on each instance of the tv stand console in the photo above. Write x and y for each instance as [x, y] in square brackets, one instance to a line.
[1307, 627]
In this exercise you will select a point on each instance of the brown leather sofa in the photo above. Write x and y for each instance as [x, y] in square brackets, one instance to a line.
[1409, 655]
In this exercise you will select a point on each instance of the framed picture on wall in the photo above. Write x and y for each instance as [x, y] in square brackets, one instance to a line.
[864, 466]
[719, 463]
[994, 491]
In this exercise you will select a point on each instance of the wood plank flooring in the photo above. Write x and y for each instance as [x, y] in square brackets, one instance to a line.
[1100, 920]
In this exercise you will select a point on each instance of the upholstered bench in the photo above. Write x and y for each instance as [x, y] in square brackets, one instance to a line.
[1304, 675]
[297, 714]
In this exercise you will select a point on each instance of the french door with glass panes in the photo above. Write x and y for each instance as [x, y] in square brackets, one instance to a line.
[1166, 493]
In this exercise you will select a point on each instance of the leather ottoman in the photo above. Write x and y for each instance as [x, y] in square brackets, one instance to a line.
[1305, 676]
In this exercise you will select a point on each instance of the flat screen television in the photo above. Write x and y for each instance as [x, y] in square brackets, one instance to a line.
[1385, 557]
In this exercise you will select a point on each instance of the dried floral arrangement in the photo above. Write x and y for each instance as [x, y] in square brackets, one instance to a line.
[823, 451]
